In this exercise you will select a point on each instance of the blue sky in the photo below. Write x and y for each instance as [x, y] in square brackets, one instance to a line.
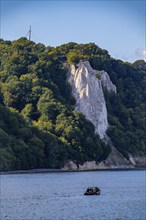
[118, 26]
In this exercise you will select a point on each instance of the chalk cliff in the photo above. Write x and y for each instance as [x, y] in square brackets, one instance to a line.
[87, 88]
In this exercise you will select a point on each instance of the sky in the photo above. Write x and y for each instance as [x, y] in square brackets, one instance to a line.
[115, 25]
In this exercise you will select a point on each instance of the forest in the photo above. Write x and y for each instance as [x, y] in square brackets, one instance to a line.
[39, 127]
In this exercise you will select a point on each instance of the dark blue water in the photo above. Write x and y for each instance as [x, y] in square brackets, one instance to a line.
[59, 196]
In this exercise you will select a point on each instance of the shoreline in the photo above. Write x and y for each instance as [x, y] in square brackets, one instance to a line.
[34, 171]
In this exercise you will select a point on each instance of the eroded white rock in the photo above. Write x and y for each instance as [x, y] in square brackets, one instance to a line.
[87, 88]
[70, 165]
[106, 82]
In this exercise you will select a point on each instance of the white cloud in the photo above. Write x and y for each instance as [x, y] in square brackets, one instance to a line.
[140, 54]
[144, 54]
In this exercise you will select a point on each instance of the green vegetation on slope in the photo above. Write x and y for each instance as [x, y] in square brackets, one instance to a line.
[127, 108]
[38, 125]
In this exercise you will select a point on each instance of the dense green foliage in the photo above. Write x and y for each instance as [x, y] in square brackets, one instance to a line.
[127, 108]
[39, 128]
[38, 125]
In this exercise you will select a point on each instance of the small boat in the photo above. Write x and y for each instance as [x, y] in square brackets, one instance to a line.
[92, 191]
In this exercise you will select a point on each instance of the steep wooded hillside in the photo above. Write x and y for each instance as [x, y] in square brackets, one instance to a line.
[39, 127]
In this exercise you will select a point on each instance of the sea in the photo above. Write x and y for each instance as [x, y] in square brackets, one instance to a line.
[60, 196]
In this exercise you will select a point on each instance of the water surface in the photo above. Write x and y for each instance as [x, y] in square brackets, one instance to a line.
[59, 196]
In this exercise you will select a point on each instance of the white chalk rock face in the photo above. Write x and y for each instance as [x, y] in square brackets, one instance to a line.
[87, 88]
[106, 82]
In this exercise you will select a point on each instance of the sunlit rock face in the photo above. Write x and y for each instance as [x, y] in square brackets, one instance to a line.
[87, 88]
